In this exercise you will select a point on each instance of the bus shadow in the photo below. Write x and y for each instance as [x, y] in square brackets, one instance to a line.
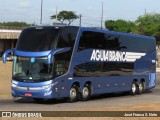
[45, 101]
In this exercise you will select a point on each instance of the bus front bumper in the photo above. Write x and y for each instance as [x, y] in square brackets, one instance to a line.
[34, 91]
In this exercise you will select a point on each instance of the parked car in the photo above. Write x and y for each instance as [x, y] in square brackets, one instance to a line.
[9, 58]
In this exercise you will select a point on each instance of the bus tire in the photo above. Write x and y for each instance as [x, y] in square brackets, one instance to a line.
[86, 93]
[141, 87]
[134, 88]
[73, 94]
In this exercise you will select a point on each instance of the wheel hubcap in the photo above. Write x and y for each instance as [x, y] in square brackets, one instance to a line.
[133, 88]
[73, 93]
[140, 87]
[85, 92]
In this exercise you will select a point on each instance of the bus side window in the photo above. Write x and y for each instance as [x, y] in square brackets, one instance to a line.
[113, 42]
[61, 63]
[85, 41]
[99, 40]
[67, 37]
[92, 40]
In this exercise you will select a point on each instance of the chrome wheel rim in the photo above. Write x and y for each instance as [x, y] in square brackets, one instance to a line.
[85, 92]
[73, 93]
[140, 87]
[133, 88]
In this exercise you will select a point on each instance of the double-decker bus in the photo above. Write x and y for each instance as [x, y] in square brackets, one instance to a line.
[78, 62]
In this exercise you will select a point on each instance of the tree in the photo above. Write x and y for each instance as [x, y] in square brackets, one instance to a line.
[120, 25]
[62, 16]
[149, 24]
[15, 24]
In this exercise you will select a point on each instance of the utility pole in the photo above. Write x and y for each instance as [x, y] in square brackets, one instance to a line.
[41, 12]
[145, 15]
[102, 17]
[56, 13]
[80, 20]
[145, 12]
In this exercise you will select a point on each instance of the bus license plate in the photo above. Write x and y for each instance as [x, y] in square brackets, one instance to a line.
[28, 94]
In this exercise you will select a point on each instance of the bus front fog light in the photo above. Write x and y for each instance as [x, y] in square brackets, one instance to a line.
[13, 85]
[56, 90]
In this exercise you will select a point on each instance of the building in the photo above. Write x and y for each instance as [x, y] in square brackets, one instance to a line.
[8, 38]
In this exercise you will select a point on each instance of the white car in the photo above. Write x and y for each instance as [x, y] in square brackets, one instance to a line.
[9, 58]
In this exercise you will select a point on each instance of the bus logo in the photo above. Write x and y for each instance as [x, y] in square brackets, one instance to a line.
[119, 56]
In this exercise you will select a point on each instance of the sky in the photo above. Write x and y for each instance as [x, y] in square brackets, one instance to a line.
[29, 10]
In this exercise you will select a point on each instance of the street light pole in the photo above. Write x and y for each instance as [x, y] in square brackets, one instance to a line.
[41, 11]
[102, 17]
[80, 20]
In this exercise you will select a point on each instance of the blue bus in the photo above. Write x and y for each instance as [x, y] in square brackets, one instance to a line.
[78, 62]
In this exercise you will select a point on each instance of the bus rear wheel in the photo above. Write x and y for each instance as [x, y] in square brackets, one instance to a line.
[86, 93]
[141, 87]
[73, 94]
[134, 88]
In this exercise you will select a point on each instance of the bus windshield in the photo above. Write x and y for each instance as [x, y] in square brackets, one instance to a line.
[31, 69]
[47, 38]
[37, 39]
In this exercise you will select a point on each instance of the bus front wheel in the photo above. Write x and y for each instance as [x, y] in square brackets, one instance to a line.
[73, 94]
[141, 87]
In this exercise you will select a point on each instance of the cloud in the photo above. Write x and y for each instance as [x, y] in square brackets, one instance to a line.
[24, 4]
[89, 8]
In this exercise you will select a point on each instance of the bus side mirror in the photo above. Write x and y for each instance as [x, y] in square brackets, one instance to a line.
[5, 54]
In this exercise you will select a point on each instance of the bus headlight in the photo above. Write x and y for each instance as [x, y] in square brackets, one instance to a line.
[14, 85]
[49, 86]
